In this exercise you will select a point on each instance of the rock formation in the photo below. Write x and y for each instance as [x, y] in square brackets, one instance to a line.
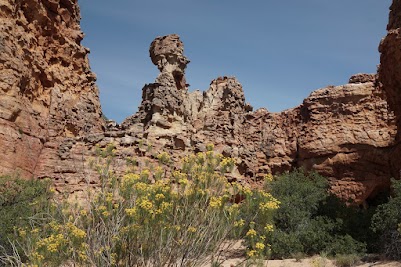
[51, 126]
[47, 91]
[390, 77]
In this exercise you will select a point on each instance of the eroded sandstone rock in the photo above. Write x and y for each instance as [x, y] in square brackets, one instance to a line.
[390, 78]
[51, 126]
[344, 132]
[47, 90]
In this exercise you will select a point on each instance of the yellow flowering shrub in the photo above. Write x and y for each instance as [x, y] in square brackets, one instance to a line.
[143, 219]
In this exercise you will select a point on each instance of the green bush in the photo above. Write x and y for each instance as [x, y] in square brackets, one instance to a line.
[386, 223]
[353, 221]
[303, 223]
[345, 245]
[347, 260]
[20, 200]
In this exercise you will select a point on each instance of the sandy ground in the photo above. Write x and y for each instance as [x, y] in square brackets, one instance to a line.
[310, 262]
[233, 258]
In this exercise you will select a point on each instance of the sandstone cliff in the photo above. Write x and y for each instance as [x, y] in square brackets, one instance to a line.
[50, 111]
[390, 78]
[47, 90]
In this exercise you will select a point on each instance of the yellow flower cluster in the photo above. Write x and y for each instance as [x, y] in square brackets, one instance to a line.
[164, 206]
[239, 223]
[145, 174]
[83, 212]
[269, 228]
[131, 212]
[146, 204]
[163, 158]
[52, 243]
[209, 154]
[102, 208]
[259, 246]
[215, 202]
[179, 175]
[247, 191]
[227, 164]
[75, 231]
[130, 178]
[210, 147]
[109, 197]
[251, 233]
[269, 177]
[270, 205]
[22, 233]
[192, 229]
[159, 196]
[251, 253]
[183, 181]
[234, 208]
[200, 158]
[141, 187]
[37, 257]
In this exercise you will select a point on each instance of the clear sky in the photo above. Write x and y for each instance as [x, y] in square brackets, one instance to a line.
[280, 50]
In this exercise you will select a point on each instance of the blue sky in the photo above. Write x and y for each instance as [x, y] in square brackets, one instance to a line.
[280, 51]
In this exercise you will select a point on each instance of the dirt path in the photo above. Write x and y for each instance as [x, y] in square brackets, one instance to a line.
[310, 262]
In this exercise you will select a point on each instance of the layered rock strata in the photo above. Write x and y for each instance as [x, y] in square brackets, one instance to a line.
[47, 91]
[50, 106]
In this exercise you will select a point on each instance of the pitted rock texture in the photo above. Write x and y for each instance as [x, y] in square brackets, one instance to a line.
[347, 133]
[390, 60]
[390, 77]
[343, 132]
[166, 53]
[47, 90]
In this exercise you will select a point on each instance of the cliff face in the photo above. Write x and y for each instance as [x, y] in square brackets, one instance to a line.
[47, 90]
[344, 132]
[390, 77]
[50, 114]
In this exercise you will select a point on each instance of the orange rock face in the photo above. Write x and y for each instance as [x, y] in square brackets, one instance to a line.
[390, 78]
[47, 90]
[50, 113]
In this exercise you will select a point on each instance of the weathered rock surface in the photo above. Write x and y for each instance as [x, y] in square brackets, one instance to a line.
[50, 114]
[344, 132]
[47, 90]
[390, 78]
